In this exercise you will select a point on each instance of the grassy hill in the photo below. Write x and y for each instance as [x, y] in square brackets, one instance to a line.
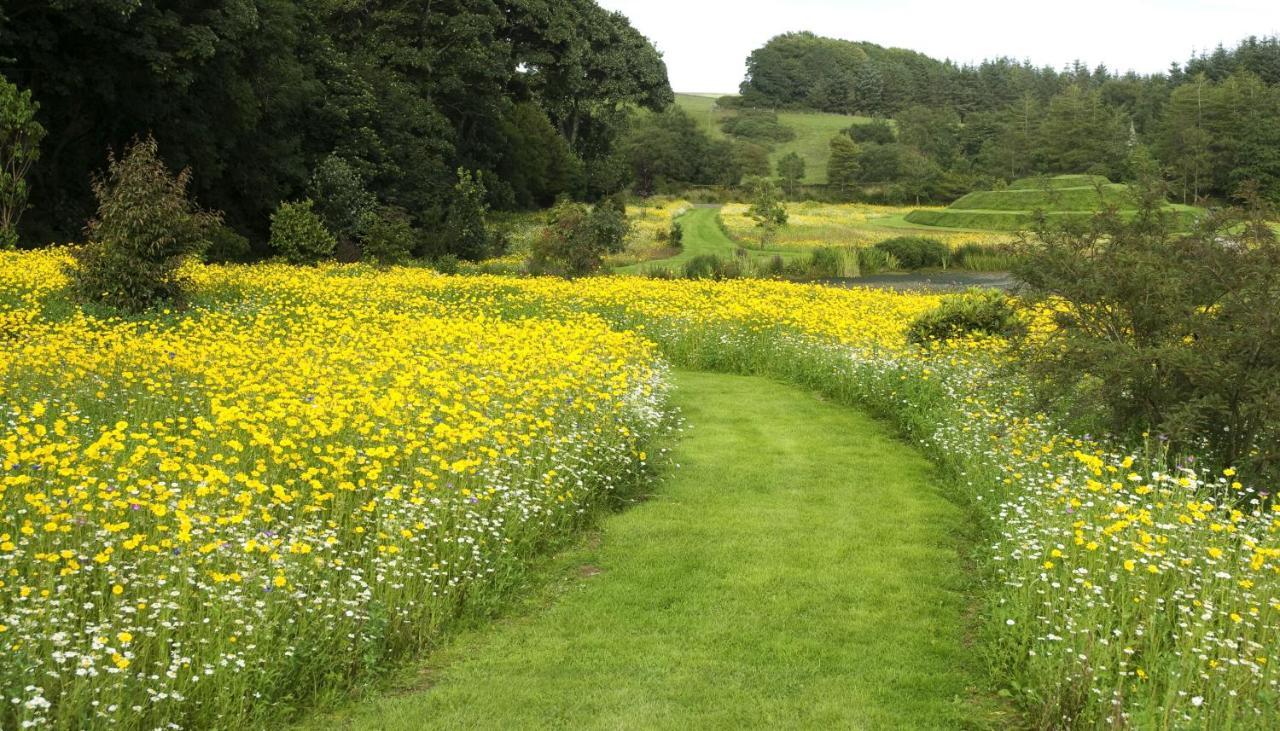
[814, 131]
[1016, 206]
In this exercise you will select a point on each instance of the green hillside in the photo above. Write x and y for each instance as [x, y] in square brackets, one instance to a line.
[814, 131]
[1016, 206]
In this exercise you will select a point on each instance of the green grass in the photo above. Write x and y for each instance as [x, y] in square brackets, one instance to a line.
[702, 236]
[814, 131]
[1015, 208]
[799, 569]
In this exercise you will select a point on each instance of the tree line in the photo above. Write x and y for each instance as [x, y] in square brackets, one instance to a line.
[267, 101]
[1213, 122]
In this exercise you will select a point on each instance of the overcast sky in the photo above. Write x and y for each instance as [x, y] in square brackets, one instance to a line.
[706, 42]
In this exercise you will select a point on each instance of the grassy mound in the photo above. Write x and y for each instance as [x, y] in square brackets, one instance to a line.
[1016, 207]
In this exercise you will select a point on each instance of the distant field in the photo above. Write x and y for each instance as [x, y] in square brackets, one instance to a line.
[814, 131]
[813, 225]
[1014, 208]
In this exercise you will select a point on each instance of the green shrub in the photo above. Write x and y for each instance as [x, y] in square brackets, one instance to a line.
[609, 225]
[20, 136]
[873, 261]
[388, 238]
[984, 258]
[145, 228]
[570, 245]
[446, 264]
[675, 236]
[225, 245]
[710, 266]
[298, 234]
[976, 312]
[831, 261]
[761, 125]
[467, 234]
[916, 252]
[341, 199]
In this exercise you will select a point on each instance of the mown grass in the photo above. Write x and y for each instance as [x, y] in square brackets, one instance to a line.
[800, 568]
[814, 131]
[702, 237]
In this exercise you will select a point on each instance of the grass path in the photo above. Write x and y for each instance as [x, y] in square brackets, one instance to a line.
[703, 236]
[799, 570]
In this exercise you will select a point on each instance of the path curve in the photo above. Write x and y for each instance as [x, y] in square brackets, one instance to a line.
[798, 570]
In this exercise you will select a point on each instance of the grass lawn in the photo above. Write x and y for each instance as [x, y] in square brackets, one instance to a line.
[702, 235]
[814, 131]
[800, 569]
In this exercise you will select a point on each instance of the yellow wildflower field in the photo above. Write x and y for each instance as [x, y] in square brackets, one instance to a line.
[311, 469]
[812, 225]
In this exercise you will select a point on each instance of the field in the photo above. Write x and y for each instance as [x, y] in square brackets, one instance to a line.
[1016, 208]
[814, 131]
[813, 225]
[213, 515]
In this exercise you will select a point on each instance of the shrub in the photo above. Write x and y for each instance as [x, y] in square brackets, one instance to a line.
[388, 238]
[299, 235]
[916, 252]
[609, 225]
[568, 245]
[710, 266]
[984, 258]
[341, 199]
[225, 245]
[831, 261]
[20, 136]
[873, 261]
[446, 264]
[757, 124]
[1175, 332]
[976, 312]
[145, 228]
[468, 237]
[675, 236]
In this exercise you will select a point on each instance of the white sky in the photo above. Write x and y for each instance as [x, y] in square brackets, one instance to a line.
[706, 42]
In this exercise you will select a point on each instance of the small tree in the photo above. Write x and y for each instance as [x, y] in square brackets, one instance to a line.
[609, 224]
[388, 237]
[465, 221]
[341, 199]
[298, 234]
[20, 136]
[791, 170]
[145, 228]
[1165, 330]
[570, 245]
[842, 166]
[766, 209]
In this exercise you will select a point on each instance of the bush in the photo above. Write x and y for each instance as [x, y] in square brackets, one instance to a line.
[984, 258]
[298, 234]
[1174, 332]
[916, 252]
[341, 199]
[145, 228]
[976, 312]
[568, 245]
[878, 132]
[873, 261]
[609, 225]
[675, 236]
[830, 261]
[468, 237]
[710, 266]
[388, 237]
[759, 125]
[446, 264]
[225, 245]
[20, 136]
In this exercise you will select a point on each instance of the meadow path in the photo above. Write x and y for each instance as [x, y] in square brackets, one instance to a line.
[800, 569]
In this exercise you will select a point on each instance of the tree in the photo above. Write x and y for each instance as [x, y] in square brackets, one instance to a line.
[146, 227]
[20, 136]
[934, 131]
[1080, 134]
[1164, 331]
[340, 196]
[791, 170]
[767, 209]
[465, 229]
[843, 168]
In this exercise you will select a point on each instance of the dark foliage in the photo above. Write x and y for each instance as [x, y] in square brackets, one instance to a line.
[915, 252]
[976, 312]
